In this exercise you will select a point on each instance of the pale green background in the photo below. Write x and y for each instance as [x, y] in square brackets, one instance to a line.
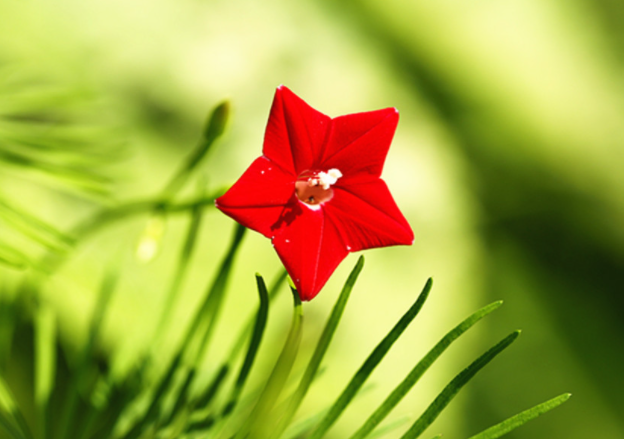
[507, 162]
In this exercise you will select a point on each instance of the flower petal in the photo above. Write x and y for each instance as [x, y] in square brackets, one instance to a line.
[358, 143]
[258, 199]
[366, 216]
[295, 134]
[310, 248]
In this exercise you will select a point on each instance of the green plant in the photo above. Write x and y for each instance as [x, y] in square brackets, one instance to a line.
[79, 397]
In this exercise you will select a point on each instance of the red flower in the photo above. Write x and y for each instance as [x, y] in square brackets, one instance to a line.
[316, 191]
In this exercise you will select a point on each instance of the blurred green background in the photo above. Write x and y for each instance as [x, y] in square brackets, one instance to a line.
[508, 163]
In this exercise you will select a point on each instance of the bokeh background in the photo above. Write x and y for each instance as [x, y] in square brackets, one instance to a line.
[507, 162]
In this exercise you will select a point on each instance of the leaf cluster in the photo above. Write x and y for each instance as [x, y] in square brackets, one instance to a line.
[49, 136]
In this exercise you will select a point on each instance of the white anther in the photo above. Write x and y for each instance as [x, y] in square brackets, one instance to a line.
[326, 179]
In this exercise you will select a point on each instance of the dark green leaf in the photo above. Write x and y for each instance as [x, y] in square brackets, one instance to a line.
[418, 371]
[254, 344]
[12, 257]
[45, 364]
[370, 364]
[68, 421]
[260, 422]
[451, 390]
[193, 345]
[521, 418]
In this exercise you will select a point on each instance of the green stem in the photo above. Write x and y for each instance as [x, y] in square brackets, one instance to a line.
[321, 349]
[53, 260]
[260, 423]
[180, 273]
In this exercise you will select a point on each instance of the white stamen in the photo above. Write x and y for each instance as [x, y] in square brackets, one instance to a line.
[326, 179]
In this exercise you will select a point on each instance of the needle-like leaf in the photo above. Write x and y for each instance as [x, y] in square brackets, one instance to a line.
[520, 419]
[11, 418]
[418, 371]
[260, 423]
[370, 364]
[451, 390]
[193, 345]
[68, 424]
[45, 364]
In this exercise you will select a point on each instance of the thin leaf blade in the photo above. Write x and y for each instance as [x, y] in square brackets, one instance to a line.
[419, 370]
[259, 425]
[451, 390]
[522, 418]
[370, 364]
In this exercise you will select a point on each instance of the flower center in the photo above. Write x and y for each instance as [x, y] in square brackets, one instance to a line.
[314, 188]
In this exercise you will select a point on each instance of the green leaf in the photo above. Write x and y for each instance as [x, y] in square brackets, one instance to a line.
[254, 344]
[209, 311]
[252, 350]
[193, 345]
[321, 348]
[260, 423]
[520, 419]
[45, 363]
[370, 364]
[11, 418]
[300, 428]
[418, 371]
[451, 390]
[68, 422]
[7, 424]
[246, 329]
[391, 426]
[198, 338]
[34, 228]
[240, 340]
[182, 267]
[201, 402]
[206, 397]
[80, 178]
[12, 257]
[156, 399]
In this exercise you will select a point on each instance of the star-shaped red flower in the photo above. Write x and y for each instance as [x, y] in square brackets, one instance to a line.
[316, 191]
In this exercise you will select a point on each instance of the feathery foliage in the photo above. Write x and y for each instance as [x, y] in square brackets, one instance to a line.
[170, 394]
